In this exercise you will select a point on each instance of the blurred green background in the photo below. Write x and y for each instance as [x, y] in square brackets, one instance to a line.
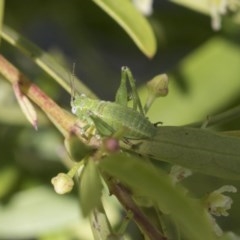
[204, 72]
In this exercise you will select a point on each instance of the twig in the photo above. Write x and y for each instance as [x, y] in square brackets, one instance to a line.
[226, 116]
[64, 121]
[140, 218]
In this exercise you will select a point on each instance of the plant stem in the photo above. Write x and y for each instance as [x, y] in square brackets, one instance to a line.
[228, 115]
[43, 60]
[64, 121]
[140, 218]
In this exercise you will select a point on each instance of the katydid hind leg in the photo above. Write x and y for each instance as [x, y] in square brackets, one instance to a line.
[135, 97]
[122, 92]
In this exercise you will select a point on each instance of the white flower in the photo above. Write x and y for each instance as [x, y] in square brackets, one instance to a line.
[218, 204]
[218, 8]
[144, 6]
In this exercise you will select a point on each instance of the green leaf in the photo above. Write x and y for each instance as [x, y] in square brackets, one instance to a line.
[156, 185]
[1, 13]
[44, 60]
[200, 150]
[209, 82]
[38, 211]
[76, 148]
[9, 177]
[90, 188]
[100, 224]
[131, 20]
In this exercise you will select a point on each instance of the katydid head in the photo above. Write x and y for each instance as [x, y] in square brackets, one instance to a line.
[78, 102]
[81, 104]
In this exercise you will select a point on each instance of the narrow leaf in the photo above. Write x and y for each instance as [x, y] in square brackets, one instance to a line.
[43, 60]
[198, 149]
[1, 13]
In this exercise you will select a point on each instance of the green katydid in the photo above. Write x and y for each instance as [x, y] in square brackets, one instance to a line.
[198, 149]
[115, 115]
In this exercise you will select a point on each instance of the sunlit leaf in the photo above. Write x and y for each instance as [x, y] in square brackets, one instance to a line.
[38, 211]
[131, 20]
[205, 81]
[1, 13]
[9, 177]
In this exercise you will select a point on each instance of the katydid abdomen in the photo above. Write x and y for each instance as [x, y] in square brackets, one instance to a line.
[133, 124]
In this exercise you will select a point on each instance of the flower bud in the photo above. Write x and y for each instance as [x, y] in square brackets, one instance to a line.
[158, 86]
[62, 183]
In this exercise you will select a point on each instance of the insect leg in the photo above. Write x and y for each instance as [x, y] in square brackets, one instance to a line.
[102, 127]
[105, 129]
[122, 92]
[135, 97]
